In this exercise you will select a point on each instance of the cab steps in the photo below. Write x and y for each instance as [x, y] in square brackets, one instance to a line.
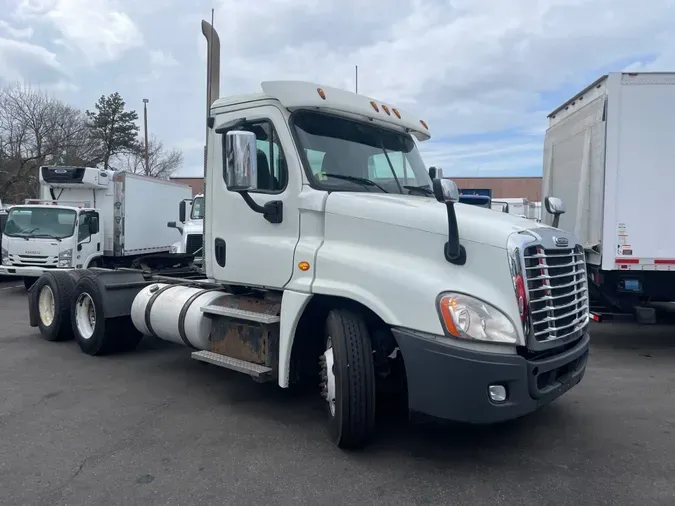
[234, 364]
[244, 336]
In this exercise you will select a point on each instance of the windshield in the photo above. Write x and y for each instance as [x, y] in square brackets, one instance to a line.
[344, 154]
[43, 221]
[197, 209]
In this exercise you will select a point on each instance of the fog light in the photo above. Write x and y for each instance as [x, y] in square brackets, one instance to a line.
[497, 393]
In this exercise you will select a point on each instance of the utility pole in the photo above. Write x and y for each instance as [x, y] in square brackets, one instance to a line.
[145, 123]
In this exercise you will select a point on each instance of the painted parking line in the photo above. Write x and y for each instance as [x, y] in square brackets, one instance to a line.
[10, 287]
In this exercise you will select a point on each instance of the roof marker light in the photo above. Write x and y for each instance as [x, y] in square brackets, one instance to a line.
[377, 109]
[321, 93]
[398, 114]
[386, 109]
[424, 124]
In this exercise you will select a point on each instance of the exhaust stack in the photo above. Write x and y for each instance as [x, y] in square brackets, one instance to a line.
[212, 72]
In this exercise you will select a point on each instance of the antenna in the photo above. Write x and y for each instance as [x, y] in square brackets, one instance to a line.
[356, 78]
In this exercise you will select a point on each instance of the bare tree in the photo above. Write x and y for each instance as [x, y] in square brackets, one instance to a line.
[35, 130]
[161, 164]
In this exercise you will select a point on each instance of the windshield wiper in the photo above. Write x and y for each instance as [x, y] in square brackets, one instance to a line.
[362, 180]
[50, 236]
[423, 189]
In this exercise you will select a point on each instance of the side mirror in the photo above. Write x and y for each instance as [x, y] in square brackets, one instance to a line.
[241, 161]
[554, 205]
[435, 173]
[182, 211]
[173, 224]
[445, 190]
[93, 226]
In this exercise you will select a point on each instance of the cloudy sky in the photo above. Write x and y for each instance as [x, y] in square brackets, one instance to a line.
[483, 73]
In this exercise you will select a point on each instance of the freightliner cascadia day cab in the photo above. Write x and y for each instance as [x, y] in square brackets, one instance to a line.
[326, 261]
[88, 217]
[190, 225]
[608, 156]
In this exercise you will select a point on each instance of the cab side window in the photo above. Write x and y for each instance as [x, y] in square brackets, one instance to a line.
[83, 227]
[85, 224]
[271, 160]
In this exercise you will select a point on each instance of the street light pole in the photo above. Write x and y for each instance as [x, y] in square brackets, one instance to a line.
[145, 123]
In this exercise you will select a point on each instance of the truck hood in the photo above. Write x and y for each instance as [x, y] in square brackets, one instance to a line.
[476, 224]
[33, 247]
[193, 227]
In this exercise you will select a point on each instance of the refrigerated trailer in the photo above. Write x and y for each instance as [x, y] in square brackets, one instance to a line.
[609, 155]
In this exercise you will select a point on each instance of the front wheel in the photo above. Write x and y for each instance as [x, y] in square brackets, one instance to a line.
[348, 379]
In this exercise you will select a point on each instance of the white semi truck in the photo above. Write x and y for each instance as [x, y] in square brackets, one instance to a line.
[608, 156]
[190, 225]
[319, 268]
[88, 217]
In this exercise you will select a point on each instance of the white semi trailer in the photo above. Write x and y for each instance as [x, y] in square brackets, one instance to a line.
[608, 156]
[320, 264]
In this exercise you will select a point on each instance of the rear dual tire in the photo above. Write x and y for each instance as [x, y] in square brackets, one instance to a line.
[95, 334]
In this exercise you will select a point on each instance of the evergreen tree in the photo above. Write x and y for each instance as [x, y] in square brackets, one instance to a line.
[113, 127]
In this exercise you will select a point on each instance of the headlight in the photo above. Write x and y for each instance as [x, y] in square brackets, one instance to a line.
[465, 317]
[4, 256]
[66, 258]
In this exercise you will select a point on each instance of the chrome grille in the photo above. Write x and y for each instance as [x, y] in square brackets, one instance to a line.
[557, 291]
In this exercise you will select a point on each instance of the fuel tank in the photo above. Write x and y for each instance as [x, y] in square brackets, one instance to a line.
[173, 313]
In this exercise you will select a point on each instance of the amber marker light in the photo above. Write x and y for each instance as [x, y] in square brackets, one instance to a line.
[303, 266]
[321, 93]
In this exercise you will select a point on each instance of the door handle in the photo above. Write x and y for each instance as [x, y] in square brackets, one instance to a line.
[220, 251]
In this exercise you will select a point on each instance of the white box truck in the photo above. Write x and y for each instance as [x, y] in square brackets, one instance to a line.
[323, 266]
[190, 226]
[609, 155]
[88, 217]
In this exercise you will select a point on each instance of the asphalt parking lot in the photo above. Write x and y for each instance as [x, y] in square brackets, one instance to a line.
[155, 427]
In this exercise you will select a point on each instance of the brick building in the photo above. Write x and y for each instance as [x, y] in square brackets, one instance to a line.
[502, 187]
[196, 183]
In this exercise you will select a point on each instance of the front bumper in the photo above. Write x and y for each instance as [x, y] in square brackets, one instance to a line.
[451, 383]
[28, 271]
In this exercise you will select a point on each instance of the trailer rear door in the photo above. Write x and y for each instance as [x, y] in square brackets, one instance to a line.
[640, 173]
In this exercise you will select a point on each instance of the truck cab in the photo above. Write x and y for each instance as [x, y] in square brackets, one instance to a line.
[42, 235]
[326, 202]
[190, 225]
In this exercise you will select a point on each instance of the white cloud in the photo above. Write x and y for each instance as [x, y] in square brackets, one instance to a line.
[99, 29]
[162, 59]
[484, 70]
[16, 33]
[22, 61]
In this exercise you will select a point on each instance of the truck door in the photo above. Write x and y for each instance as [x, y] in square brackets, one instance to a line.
[244, 247]
[88, 239]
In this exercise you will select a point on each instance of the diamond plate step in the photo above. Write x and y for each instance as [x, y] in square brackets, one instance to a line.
[241, 314]
[258, 371]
